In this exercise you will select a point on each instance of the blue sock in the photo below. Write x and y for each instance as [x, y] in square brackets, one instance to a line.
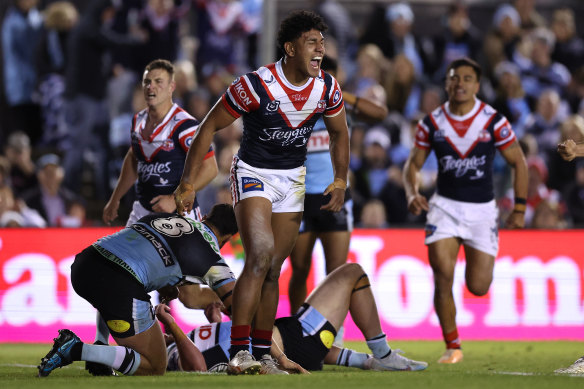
[351, 358]
[378, 345]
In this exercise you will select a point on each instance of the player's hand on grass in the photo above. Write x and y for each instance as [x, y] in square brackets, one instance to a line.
[291, 366]
[163, 203]
[184, 197]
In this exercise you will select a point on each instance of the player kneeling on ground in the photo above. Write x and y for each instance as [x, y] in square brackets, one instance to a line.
[116, 273]
[305, 338]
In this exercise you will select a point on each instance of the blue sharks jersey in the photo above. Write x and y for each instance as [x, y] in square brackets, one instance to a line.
[319, 167]
[161, 157]
[167, 249]
[278, 117]
[465, 147]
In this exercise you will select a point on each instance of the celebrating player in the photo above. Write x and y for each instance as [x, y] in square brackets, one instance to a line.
[161, 136]
[464, 133]
[116, 273]
[306, 337]
[280, 104]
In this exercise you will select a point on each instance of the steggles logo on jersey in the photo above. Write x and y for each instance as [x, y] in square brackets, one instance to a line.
[273, 106]
[250, 184]
[462, 166]
[286, 137]
[147, 171]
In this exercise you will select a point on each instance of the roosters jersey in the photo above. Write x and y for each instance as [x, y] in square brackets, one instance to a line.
[161, 157]
[465, 147]
[278, 117]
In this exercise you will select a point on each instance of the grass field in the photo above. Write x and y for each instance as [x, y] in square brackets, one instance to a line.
[487, 365]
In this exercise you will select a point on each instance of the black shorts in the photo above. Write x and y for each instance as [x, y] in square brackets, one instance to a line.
[307, 351]
[316, 220]
[120, 299]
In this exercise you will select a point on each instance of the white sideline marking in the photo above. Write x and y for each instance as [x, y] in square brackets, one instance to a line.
[522, 373]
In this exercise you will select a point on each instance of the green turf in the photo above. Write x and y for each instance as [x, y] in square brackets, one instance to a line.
[487, 365]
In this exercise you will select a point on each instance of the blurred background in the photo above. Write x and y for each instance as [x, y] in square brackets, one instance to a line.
[60, 161]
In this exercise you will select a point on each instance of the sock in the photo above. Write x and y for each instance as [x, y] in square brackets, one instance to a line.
[351, 358]
[102, 333]
[339, 338]
[123, 359]
[452, 340]
[378, 345]
[261, 341]
[239, 339]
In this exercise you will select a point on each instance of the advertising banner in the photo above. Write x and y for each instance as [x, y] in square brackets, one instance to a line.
[536, 294]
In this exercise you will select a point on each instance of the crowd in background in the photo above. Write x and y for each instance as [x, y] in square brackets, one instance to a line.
[71, 84]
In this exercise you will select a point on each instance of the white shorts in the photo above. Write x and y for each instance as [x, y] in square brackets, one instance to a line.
[475, 223]
[138, 212]
[283, 187]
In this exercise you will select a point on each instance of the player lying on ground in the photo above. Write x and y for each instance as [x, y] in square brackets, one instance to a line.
[306, 337]
[117, 272]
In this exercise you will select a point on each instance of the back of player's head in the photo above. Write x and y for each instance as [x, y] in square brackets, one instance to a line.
[465, 61]
[296, 24]
[222, 217]
[329, 64]
[161, 64]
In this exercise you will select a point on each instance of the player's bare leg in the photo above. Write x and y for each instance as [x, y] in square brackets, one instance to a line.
[151, 347]
[442, 255]
[301, 261]
[254, 220]
[479, 270]
[348, 289]
[285, 227]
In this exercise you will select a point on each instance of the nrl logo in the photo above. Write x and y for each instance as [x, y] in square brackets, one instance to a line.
[273, 106]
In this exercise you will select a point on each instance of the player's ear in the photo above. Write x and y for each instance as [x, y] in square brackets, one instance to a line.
[289, 48]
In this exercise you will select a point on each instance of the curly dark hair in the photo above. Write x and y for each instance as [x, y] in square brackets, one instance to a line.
[222, 217]
[296, 24]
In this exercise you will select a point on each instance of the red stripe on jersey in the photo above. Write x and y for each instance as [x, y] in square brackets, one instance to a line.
[461, 126]
[298, 98]
[243, 95]
[233, 113]
[160, 127]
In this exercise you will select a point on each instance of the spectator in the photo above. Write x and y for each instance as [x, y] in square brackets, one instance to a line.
[541, 72]
[569, 48]
[86, 113]
[186, 82]
[198, 103]
[575, 196]
[548, 215]
[22, 170]
[371, 70]
[402, 89]
[21, 31]
[373, 215]
[49, 198]
[60, 18]
[510, 98]
[15, 213]
[501, 41]
[458, 38]
[394, 36]
[530, 18]
[562, 173]
[545, 122]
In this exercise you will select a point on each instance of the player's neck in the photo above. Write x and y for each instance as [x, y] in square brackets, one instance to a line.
[157, 112]
[292, 73]
[461, 109]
